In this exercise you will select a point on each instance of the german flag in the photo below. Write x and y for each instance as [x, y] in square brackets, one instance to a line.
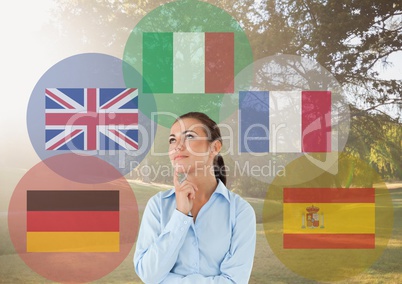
[73, 221]
[329, 218]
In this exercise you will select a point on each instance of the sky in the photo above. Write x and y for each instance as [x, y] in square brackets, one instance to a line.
[25, 57]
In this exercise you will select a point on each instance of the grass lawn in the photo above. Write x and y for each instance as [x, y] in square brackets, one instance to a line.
[267, 267]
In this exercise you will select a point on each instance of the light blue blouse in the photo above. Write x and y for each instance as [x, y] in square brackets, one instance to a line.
[218, 248]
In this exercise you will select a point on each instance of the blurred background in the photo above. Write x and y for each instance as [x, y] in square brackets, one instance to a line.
[359, 42]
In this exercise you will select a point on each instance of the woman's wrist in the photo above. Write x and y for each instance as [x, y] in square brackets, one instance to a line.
[188, 213]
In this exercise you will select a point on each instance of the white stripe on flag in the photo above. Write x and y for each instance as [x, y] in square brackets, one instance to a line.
[116, 107]
[285, 121]
[109, 133]
[334, 131]
[188, 62]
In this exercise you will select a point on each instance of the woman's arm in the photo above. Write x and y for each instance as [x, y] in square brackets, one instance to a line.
[157, 248]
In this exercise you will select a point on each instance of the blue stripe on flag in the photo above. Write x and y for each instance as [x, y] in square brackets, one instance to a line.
[132, 104]
[77, 94]
[51, 104]
[131, 133]
[254, 121]
[108, 94]
[51, 133]
[74, 144]
[108, 144]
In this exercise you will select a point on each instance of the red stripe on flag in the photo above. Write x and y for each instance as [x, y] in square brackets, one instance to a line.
[316, 121]
[92, 98]
[91, 124]
[219, 62]
[328, 195]
[89, 118]
[125, 138]
[118, 98]
[72, 221]
[328, 241]
[59, 100]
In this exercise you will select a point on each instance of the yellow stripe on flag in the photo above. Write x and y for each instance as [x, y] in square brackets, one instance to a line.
[334, 217]
[73, 241]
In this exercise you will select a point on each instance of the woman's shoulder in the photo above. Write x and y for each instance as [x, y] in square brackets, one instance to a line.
[241, 210]
[238, 202]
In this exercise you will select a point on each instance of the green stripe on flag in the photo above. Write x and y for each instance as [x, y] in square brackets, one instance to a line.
[157, 64]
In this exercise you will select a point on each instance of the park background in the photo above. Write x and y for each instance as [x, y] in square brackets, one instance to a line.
[359, 42]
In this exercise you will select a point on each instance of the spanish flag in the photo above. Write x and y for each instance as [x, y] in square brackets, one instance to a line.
[73, 221]
[328, 218]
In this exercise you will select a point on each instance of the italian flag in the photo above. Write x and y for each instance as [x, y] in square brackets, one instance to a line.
[188, 62]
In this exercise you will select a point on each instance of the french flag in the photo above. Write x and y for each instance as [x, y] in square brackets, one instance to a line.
[285, 121]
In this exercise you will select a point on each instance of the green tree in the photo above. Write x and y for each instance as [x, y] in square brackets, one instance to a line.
[352, 39]
[377, 139]
[347, 37]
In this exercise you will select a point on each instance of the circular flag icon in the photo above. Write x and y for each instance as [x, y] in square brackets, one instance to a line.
[70, 231]
[292, 107]
[332, 227]
[83, 105]
[188, 53]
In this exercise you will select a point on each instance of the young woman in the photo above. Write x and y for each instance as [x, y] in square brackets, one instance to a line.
[198, 232]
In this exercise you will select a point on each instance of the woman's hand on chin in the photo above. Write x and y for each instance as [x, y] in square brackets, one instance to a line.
[185, 194]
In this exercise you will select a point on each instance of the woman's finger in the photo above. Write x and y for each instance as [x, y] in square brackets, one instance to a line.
[188, 190]
[186, 182]
[176, 180]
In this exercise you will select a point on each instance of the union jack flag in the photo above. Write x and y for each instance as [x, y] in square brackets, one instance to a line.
[91, 119]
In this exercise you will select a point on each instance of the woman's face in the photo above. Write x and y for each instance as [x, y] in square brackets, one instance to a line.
[190, 146]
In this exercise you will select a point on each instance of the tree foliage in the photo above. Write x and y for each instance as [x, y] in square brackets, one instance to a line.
[352, 39]
[377, 139]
